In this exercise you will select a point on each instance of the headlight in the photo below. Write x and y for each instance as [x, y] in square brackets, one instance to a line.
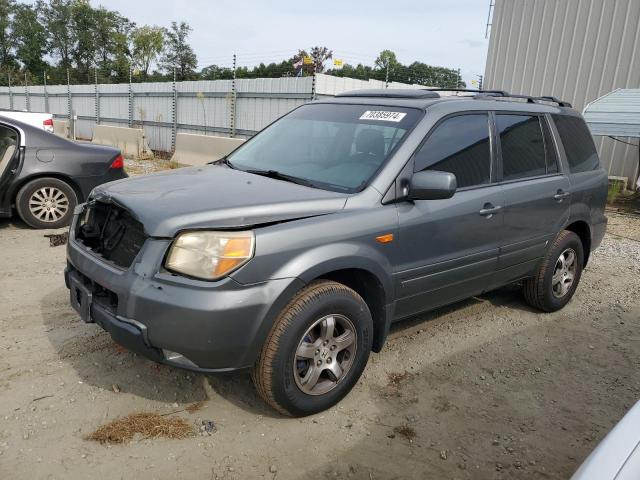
[210, 255]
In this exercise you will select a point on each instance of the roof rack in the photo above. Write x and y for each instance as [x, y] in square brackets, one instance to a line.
[390, 93]
[503, 94]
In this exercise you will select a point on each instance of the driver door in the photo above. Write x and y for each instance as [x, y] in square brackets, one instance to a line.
[449, 248]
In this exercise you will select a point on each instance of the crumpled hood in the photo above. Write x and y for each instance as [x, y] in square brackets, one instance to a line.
[214, 196]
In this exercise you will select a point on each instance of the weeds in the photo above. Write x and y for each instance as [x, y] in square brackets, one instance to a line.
[148, 425]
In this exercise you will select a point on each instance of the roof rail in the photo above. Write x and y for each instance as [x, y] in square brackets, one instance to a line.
[390, 93]
[503, 94]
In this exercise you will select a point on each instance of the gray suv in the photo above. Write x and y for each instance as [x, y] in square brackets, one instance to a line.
[292, 256]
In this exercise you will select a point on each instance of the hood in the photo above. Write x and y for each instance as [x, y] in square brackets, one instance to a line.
[214, 196]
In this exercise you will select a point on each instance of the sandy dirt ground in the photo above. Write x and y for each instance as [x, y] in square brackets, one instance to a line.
[484, 389]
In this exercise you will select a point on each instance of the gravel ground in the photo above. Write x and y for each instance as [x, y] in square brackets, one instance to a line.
[483, 389]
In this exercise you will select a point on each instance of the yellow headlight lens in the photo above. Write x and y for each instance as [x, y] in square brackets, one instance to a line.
[210, 255]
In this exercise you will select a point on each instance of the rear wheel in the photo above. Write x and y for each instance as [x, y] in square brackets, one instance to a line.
[46, 203]
[558, 275]
[316, 350]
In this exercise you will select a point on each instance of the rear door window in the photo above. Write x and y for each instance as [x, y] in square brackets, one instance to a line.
[578, 143]
[459, 145]
[522, 145]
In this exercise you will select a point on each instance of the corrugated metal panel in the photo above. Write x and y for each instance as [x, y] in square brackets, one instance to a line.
[576, 50]
[616, 113]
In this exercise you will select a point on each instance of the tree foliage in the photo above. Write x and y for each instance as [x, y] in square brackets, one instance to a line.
[48, 38]
[147, 44]
[178, 54]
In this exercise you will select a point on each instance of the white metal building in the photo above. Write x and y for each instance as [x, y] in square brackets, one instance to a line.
[576, 50]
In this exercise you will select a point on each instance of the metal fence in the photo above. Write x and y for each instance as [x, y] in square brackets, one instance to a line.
[236, 108]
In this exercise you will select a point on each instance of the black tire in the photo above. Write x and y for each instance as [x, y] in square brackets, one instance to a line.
[67, 201]
[539, 290]
[273, 374]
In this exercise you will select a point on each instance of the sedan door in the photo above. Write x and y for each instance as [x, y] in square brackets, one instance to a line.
[9, 148]
[449, 248]
[537, 193]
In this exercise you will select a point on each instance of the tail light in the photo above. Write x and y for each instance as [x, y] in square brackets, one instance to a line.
[118, 162]
[47, 124]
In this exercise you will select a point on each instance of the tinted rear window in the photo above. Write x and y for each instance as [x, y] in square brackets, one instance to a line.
[522, 146]
[578, 143]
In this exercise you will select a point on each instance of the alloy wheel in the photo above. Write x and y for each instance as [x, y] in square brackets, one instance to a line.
[325, 354]
[564, 273]
[48, 204]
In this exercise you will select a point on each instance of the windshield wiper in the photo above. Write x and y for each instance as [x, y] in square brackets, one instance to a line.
[282, 176]
[223, 161]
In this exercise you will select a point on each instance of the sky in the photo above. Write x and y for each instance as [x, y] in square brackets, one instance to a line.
[448, 33]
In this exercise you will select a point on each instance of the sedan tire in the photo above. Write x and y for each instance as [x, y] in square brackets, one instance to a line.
[46, 203]
[316, 350]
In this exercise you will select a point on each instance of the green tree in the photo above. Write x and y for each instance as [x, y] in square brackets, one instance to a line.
[147, 43]
[178, 54]
[56, 16]
[84, 26]
[113, 55]
[320, 55]
[31, 40]
[7, 43]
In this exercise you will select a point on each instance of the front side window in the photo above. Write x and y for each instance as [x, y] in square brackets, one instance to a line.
[459, 145]
[331, 146]
[578, 143]
[522, 145]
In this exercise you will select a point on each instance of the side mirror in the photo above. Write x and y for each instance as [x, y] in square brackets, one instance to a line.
[432, 185]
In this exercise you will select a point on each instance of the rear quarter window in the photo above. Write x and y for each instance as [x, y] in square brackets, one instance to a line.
[578, 143]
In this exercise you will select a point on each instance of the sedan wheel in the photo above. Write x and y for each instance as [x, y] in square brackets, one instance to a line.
[49, 204]
[46, 203]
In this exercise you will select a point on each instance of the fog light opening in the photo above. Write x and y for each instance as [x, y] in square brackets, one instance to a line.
[178, 359]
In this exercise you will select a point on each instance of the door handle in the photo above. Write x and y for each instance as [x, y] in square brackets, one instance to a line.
[489, 210]
[561, 195]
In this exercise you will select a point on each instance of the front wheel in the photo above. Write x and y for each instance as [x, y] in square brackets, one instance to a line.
[316, 350]
[46, 203]
[559, 274]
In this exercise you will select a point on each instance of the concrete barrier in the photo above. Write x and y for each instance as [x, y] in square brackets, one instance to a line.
[200, 149]
[131, 141]
[61, 128]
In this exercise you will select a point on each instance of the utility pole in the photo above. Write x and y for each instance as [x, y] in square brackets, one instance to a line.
[386, 78]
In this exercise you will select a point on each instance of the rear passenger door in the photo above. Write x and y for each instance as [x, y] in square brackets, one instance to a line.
[537, 193]
[448, 249]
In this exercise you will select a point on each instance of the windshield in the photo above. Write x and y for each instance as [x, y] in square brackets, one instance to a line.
[330, 146]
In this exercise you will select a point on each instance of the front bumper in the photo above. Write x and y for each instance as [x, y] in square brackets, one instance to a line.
[215, 326]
